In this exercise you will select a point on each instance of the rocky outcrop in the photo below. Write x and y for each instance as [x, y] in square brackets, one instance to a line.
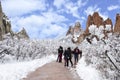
[93, 19]
[76, 32]
[1, 24]
[70, 31]
[5, 24]
[88, 23]
[108, 27]
[77, 27]
[117, 24]
[5, 28]
[108, 22]
[98, 21]
[22, 34]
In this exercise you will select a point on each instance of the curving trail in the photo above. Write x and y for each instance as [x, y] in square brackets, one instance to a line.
[53, 71]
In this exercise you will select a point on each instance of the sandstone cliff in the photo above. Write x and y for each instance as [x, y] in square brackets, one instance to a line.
[98, 21]
[117, 24]
[93, 19]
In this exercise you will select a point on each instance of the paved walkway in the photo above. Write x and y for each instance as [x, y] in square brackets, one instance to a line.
[53, 71]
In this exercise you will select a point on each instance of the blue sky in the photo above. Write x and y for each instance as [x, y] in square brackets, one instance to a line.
[45, 19]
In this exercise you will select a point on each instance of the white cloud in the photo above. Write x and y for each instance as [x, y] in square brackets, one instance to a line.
[45, 26]
[91, 9]
[103, 15]
[21, 7]
[69, 6]
[53, 17]
[80, 3]
[53, 30]
[113, 7]
[59, 3]
[72, 9]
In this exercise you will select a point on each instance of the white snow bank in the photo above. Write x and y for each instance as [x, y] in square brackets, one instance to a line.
[87, 72]
[17, 71]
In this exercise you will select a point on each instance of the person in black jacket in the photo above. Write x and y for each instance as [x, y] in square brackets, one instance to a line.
[68, 57]
[60, 52]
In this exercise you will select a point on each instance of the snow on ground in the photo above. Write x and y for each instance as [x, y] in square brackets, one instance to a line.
[87, 72]
[19, 70]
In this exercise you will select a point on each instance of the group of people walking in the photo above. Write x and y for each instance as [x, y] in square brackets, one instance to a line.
[68, 53]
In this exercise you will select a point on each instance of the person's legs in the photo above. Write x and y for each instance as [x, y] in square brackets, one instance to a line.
[75, 59]
[60, 57]
[67, 63]
[71, 62]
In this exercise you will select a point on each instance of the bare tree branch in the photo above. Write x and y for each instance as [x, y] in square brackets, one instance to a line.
[111, 60]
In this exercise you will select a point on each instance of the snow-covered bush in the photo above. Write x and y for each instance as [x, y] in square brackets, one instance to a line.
[14, 49]
[104, 56]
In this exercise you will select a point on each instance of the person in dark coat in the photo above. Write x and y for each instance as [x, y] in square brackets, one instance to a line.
[68, 57]
[60, 52]
[76, 53]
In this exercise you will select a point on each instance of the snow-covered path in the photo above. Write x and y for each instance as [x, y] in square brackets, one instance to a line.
[53, 71]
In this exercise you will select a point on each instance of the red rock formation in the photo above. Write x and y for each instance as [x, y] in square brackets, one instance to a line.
[89, 22]
[108, 21]
[117, 24]
[94, 19]
[97, 20]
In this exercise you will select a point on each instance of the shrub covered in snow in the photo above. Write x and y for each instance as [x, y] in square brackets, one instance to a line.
[14, 49]
[104, 56]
